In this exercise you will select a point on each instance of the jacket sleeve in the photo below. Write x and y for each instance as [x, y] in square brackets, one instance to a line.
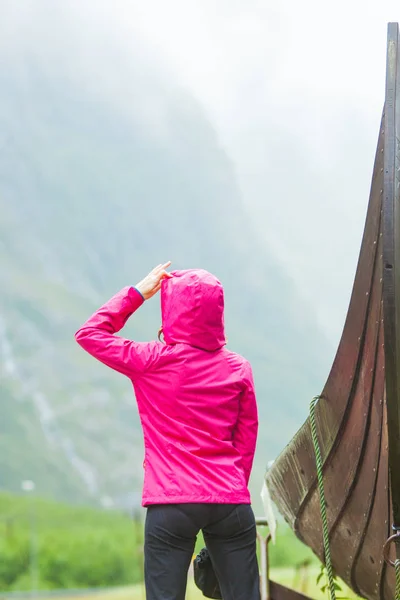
[97, 335]
[245, 435]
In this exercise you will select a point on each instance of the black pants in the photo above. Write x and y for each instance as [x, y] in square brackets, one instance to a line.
[230, 535]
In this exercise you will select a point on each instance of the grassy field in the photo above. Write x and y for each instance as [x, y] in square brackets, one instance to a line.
[287, 577]
[80, 548]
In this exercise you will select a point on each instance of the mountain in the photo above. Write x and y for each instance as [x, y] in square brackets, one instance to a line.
[108, 167]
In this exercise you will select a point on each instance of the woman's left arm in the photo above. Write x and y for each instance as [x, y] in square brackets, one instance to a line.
[97, 335]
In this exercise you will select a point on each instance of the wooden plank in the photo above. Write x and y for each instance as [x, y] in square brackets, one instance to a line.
[391, 263]
[280, 592]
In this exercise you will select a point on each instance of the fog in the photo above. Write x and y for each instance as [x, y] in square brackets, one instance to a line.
[294, 90]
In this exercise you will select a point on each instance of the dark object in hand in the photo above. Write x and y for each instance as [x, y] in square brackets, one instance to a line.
[205, 577]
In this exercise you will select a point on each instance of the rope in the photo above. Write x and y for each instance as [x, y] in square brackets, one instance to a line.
[397, 570]
[325, 530]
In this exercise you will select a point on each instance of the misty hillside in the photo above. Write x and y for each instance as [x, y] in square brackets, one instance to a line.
[101, 178]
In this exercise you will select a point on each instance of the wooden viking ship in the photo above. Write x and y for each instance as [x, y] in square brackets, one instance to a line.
[357, 415]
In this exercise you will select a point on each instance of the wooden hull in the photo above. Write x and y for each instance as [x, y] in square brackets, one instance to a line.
[352, 414]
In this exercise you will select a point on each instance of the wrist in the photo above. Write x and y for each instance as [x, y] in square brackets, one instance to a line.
[137, 288]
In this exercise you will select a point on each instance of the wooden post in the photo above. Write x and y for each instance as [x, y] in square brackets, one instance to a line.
[263, 541]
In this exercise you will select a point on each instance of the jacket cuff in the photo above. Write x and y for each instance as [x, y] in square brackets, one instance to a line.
[140, 294]
[135, 298]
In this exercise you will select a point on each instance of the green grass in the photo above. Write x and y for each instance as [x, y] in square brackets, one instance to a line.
[80, 547]
[76, 547]
[287, 577]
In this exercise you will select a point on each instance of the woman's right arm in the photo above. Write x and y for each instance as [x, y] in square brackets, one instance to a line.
[245, 435]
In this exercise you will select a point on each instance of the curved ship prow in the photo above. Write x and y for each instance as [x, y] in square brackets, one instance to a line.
[358, 413]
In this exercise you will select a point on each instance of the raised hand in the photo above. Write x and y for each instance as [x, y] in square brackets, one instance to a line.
[151, 284]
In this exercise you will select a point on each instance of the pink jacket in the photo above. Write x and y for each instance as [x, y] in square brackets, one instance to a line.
[195, 398]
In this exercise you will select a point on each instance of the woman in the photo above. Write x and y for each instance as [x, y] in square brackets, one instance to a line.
[198, 411]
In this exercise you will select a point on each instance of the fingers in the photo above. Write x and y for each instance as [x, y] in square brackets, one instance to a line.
[151, 284]
[159, 271]
[161, 276]
[153, 271]
[162, 267]
[157, 286]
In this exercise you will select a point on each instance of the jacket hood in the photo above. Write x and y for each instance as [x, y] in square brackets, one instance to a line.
[192, 309]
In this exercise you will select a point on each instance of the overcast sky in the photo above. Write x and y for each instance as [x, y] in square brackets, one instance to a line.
[295, 91]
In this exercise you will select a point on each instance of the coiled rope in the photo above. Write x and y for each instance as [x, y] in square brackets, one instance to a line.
[322, 501]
